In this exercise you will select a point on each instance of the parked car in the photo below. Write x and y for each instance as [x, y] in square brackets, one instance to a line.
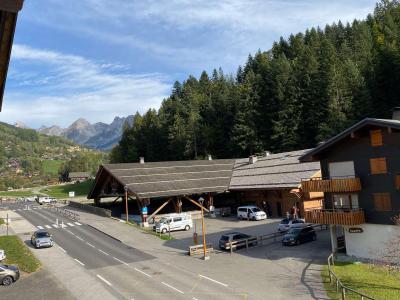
[286, 224]
[30, 199]
[296, 236]
[42, 200]
[235, 236]
[41, 238]
[174, 222]
[8, 274]
[2, 255]
[251, 212]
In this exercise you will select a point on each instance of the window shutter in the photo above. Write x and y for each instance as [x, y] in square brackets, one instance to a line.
[397, 182]
[376, 138]
[382, 202]
[378, 165]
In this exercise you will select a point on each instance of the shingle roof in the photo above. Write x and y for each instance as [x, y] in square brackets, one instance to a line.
[282, 170]
[172, 178]
[367, 121]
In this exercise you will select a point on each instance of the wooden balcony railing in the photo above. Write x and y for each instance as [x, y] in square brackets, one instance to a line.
[331, 185]
[349, 217]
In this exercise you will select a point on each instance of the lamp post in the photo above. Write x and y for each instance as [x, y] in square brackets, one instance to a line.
[205, 257]
[126, 203]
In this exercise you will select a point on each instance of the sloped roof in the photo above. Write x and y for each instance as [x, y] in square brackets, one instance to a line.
[170, 178]
[282, 170]
[366, 122]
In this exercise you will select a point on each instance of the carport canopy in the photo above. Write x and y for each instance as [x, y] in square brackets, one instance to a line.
[162, 179]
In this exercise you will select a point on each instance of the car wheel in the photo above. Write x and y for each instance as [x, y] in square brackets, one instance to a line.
[37, 245]
[164, 230]
[240, 217]
[298, 242]
[187, 227]
[254, 218]
[7, 280]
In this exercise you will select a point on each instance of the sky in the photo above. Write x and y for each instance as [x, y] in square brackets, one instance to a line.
[98, 59]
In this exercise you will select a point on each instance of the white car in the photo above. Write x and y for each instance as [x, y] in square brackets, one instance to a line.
[251, 212]
[42, 200]
[2, 255]
[287, 224]
[174, 222]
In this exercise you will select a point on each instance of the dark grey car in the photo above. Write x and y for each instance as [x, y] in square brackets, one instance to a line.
[41, 238]
[8, 274]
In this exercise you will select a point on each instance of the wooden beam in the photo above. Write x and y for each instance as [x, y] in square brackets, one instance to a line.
[197, 204]
[116, 199]
[158, 209]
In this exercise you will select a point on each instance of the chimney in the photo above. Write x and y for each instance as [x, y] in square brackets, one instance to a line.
[267, 153]
[142, 160]
[209, 157]
[396, 113]
[252, 159]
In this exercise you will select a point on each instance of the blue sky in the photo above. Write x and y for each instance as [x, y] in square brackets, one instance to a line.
[99, 59]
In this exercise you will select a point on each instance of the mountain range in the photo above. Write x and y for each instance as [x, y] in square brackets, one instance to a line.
[100, 136]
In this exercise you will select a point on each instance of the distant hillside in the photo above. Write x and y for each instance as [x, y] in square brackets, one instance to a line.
[99, 135]
[29, 158]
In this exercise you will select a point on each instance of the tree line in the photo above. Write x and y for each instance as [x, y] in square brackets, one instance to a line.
[305, 89]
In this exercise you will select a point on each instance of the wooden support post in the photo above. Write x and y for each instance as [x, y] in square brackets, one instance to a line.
[197, 204]
[158, 209]
[126, 204]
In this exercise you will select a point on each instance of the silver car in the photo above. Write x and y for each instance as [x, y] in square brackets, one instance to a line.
[8, 274]
[41, 238]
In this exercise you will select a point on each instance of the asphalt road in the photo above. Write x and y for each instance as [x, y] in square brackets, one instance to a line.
[127, 272]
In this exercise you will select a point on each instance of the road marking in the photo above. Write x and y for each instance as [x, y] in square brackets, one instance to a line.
[171, 287]
[140, 271]
[195, 298]
[79, 262]
[55, 225]
[69, 231]
[40, 227]
[47, 226]
[79, 238]
[122, 262]
[90, 245]
[213, 280]
[103, 252]
[62, 249]
[13, 210]
[101, 278]
[70, 224]
[77, 223]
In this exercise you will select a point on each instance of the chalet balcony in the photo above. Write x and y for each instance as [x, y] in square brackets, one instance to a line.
[336, 185]
[349, 217]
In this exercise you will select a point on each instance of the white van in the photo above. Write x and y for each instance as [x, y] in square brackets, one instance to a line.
[251, 212]
[174, 222]
[42, 200]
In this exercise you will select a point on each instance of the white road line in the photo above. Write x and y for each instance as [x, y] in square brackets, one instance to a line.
[140, 271]
[62, 249]
[122, 262]
[194, 298]
[47, 226]
[79, 262]
[55, 225]
[205, 277]
[90, 245]
[171, 287]
[103, 252]
[79, 238]
[77, 223]
[101, 278]
[40, 227]
[70, 224]
[13, 210]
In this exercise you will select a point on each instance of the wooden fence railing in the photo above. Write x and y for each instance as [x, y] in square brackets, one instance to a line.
[331, 185]
[339, 216]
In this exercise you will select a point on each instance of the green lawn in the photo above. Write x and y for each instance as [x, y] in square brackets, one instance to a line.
[2, 221]
[18, 254]
[374, 281]
[16, 194]
[62, 191]
[51, 166]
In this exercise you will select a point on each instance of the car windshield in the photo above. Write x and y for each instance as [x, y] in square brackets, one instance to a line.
[285, 221]
[42, 234]
[294, 231]
[256, 209]
[224, 238]
[163, 220]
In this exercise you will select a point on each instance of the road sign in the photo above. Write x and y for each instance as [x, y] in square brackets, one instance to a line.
[71, 194]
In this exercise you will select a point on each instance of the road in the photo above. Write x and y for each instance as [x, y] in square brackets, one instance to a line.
[127, 272]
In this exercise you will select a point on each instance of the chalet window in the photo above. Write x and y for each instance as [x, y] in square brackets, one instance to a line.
[376, 138]
[382, 202]
[378, 165]
[397, 183]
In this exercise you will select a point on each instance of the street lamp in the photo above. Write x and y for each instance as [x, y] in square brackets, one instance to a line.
[205, 257]
[126, 203]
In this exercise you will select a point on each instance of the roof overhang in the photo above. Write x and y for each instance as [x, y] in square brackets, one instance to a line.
[8, 19]
[313, 154]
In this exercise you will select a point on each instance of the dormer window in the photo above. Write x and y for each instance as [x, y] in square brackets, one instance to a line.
[376, 138]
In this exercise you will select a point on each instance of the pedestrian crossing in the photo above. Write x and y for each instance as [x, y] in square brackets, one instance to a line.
[20, 209]
[59, 225]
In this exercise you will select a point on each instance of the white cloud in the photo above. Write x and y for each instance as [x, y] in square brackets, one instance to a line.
[68, 87]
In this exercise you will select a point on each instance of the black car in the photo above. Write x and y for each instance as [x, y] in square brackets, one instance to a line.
[224, 241]
[296, 236]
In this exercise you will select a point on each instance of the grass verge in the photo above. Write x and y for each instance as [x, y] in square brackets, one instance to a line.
[16, 194]
[372, 280]
[164, 237]
[62, 191]
[18, 254]
[2, 221]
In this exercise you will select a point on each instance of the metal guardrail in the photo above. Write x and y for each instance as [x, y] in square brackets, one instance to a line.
[91, 209]
[339, 285]
[63, 212]
[259, 240]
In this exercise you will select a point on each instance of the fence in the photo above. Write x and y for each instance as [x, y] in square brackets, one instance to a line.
[339, 285]
[259, 240]
[91, 209]
[63, 212]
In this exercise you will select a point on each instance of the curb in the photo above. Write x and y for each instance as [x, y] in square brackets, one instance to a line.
[109, 235]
